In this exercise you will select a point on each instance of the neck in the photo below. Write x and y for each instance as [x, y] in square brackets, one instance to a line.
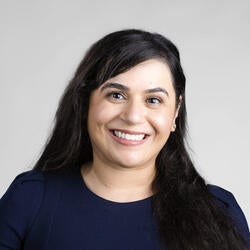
[119, 184]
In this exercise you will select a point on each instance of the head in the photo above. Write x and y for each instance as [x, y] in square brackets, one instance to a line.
[112, 55]
[117, 53]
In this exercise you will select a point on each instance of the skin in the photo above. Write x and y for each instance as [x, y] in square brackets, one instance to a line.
[138, 102]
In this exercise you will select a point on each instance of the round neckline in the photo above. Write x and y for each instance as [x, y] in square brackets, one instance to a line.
[98, 198]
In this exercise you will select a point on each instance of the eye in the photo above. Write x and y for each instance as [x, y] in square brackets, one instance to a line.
[116, 96]
[154, 100]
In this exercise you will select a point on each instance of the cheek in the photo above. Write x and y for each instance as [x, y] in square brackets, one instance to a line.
[163, 123]
[100, 114]
[96, 121]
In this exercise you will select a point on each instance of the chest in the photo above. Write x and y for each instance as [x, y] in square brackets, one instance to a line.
[85, 222]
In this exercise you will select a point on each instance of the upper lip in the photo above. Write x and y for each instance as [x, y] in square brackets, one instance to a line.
[130, 132]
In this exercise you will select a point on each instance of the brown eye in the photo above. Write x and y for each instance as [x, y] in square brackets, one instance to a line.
[154, 100]
[116, 95]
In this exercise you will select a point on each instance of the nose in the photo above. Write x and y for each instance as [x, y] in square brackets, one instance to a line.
[133, 112]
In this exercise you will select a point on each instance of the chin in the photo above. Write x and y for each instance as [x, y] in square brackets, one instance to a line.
[134, 163]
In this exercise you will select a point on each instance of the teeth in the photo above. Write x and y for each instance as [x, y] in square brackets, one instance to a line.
[129, 136]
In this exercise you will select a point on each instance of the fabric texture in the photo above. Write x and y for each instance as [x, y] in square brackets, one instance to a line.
[44, 211]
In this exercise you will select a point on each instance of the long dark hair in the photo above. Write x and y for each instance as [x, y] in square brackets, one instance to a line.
[186, 212]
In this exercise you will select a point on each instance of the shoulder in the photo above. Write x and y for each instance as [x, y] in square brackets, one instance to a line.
[229, 204]
[19, 206]
[25, 184]
[24, 181]
[224, 196]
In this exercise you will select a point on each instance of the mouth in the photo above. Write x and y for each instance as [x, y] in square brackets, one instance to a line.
[129, 136]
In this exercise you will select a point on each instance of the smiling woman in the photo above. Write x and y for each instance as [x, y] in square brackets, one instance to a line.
[115, 173]
[136, 109]
[130, 119]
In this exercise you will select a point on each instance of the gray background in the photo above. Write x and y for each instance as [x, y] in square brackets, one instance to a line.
[42, 42]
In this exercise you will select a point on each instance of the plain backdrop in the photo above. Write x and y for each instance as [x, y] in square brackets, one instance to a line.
[43, 41]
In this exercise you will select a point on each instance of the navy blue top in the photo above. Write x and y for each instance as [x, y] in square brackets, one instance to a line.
[59, 212]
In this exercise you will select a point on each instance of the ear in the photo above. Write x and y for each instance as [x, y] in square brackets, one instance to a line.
[176, 113]
[178, 107]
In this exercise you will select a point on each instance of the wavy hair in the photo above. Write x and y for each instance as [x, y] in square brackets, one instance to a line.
[187, 214]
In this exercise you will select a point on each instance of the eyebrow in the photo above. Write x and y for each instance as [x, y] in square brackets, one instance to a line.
[125, 88]
[115, 86]
[154, 90]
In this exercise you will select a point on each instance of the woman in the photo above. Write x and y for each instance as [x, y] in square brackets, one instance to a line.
[115, 173]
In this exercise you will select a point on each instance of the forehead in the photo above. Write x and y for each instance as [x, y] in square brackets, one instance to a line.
[148, 74]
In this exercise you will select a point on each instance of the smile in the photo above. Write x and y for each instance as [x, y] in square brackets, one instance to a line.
[129, 137]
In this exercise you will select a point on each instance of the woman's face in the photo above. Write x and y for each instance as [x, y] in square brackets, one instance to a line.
[131, 116]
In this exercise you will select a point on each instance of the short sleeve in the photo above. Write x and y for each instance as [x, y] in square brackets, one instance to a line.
[19, 207]
[232, 209]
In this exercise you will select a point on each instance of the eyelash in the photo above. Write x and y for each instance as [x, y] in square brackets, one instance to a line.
[112, 94]
[122, 96]
[158, 100]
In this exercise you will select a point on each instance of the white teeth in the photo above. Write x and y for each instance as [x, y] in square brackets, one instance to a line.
[130, 137]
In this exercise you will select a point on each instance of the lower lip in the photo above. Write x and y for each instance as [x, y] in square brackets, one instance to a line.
[127, 142]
